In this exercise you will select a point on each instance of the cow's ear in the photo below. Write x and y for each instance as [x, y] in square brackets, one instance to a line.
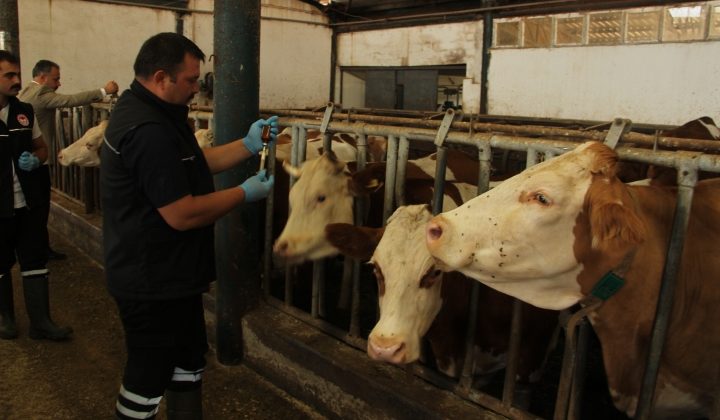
[293, 171]
[368, 180]
[605, 161]
[336, 164]
[615, 226]
[354, 241]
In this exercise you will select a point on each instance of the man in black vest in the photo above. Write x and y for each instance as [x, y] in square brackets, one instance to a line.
[24, 201]
[159, 207]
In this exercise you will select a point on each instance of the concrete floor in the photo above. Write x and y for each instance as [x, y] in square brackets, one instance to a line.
[79, 379]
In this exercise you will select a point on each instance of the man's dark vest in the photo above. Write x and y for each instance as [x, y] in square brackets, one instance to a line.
[145, 258]
[16, 138]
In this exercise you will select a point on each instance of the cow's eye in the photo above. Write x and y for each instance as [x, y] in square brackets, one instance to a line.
[543, 199]
[321, 198]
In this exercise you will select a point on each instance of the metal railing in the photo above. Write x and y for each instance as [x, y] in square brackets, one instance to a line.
[537, 141]
[82, 184]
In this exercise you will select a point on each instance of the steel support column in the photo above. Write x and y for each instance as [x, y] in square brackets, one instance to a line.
[237, 240]
[486, 45]
[9, 32]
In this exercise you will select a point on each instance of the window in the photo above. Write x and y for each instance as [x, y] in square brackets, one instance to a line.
[507, 34]
[692, 22]
[715, 22]
[538, 32]
[684, 23]
[569, 30]
[605, 28]
[643, 26]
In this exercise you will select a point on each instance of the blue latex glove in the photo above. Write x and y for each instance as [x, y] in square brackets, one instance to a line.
[28, 161]
[257, 186]
[253, 140]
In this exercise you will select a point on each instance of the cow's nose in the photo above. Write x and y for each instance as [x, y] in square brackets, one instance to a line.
[281, 248]
[393, 353]
[433, 231]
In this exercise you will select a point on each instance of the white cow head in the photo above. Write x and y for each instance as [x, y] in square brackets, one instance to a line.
[84, 151]
[531, 236]
[409, 284]
[323, 194]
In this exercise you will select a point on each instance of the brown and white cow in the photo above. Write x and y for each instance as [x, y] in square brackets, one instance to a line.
[85, 151]
[547, 235]
[703, 128]
[324, 194]
[417, 300]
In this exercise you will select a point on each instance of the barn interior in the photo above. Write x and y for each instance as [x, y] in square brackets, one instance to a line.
[508, 83]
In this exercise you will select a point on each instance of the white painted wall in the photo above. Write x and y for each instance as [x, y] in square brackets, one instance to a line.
[95, 42]
[445, 44]
[651, 83]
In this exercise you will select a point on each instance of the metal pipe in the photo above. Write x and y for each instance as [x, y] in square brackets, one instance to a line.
[578, 382]
[268, 235]
[466, 375]
[509, 10]
[294, 161]
[703, 162]
[359, 206]
[485, 54]
[9, 27]
[403, 155]
[687, 178]
[439, 188]
[647, 140]
[179, 23]
[511, 368]
[236, 37]
[390, 173]
[453, 13]
[485, 167]
[333, 64]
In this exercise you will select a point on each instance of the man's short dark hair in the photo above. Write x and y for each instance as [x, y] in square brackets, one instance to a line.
[44, 67]
[9, 57]
[164, 51]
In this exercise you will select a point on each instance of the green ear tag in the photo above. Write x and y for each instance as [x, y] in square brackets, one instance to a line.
[607, 286]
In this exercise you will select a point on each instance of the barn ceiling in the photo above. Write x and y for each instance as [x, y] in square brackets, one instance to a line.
[359, 11]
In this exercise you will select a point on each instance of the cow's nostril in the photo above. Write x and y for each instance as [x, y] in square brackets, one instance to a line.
[281, 247]
[434, 231]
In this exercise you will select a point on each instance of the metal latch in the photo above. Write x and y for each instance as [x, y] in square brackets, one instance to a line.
[619, 127]
[444, 127]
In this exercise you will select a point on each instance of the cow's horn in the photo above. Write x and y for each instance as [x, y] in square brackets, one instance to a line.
[291, 170]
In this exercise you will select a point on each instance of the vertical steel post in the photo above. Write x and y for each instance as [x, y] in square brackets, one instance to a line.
[237, 242]
[9, 32]
[487, 44]
[687, 178]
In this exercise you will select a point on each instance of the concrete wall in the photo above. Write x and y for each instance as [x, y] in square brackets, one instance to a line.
[95, 42]
[446, 44]
[652, 83]
[668, 83]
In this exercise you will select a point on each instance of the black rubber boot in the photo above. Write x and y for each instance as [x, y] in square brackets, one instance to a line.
[37, 304]
[186, 405]
[55, 255]
[8, 329]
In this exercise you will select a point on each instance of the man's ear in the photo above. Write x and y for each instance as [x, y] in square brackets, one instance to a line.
[159, 76]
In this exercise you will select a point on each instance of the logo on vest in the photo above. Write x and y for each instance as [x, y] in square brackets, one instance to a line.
[23, 120]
